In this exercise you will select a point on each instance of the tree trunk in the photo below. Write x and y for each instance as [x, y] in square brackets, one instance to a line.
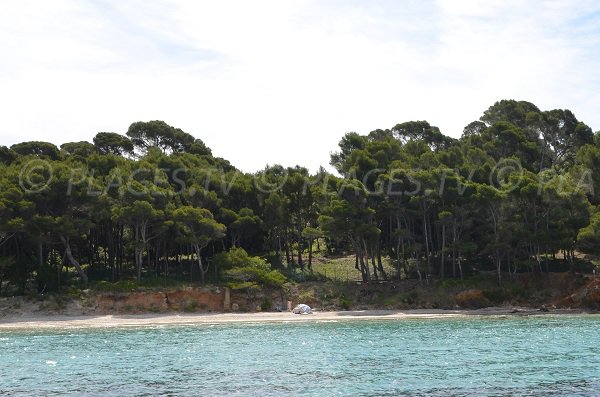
[375, 274]
[398, 262]
[203, 270]
[380, 263]
[40, 254]
[454, 249]
[139, 258]
[83, 277]
[426, 236]
[443, 254]
[418, 261]
[310, 254]
[287, 254]
[360, 262]
[496, 241]
[498, 267]
[300, 261]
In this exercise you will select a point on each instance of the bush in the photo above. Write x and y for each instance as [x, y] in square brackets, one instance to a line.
[345, 303]
[244, 271]
[238, 257]
[119, 286]
[252, 275]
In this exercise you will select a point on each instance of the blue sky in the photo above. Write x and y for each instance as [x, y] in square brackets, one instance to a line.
[281, 81]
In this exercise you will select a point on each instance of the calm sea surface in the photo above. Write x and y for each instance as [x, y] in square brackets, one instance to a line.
[529, 356]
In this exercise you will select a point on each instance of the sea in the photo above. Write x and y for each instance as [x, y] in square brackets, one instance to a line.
[468, 356]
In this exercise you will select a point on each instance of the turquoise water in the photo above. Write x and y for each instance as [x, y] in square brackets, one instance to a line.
[529, 356]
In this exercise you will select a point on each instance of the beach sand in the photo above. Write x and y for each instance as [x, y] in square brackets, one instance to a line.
[145, 320]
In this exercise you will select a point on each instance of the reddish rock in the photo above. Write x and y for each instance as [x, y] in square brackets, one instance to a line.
[132, 302]
[189, 300]
[192, 300]
[471, 299]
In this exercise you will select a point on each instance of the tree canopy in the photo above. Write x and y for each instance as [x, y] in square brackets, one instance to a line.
[517, 192]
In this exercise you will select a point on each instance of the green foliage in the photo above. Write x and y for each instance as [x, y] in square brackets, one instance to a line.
[468, 282]
[410, 202]
[35, 148]
[588, 238]
[112, 143]
[255, 276]
[239, 258]
[119, 286]
[244, 271]
[158, 134]
[345, 303]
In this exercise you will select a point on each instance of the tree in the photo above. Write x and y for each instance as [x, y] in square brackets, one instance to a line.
[347, 215]
[247, 272]
[81, 149]
[350, 142]
[563, 135]
[588, 238]
[198, 228]
[245, 226]
[37, 148]
[199, 148]
[473, 128]
[156, 133]
[511, 111]
[62, 210]
[491, 199]
[147, 223]
[310, 234]
[516, 190]
[111, 142]
[7, 155]
[422, 131]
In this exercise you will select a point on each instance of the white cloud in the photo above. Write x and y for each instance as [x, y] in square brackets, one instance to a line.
[280, 82]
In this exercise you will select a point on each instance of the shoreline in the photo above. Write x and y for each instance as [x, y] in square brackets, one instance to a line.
[28, 322]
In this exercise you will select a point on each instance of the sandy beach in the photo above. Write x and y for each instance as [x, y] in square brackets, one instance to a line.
[145, 320]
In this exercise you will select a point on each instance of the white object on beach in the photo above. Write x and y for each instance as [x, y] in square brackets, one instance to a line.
[302, 309]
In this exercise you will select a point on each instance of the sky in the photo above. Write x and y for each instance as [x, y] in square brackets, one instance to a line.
[280, 82]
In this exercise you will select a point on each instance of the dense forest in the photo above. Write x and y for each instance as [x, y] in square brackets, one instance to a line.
[518, 192]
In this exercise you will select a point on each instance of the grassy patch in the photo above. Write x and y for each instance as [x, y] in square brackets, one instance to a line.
[343, 269]
[145, 284]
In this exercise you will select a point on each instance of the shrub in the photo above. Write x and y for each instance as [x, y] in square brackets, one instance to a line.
[345, 303]
[244, 271]
[119, 286]
[238, 257]
[252, 275]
